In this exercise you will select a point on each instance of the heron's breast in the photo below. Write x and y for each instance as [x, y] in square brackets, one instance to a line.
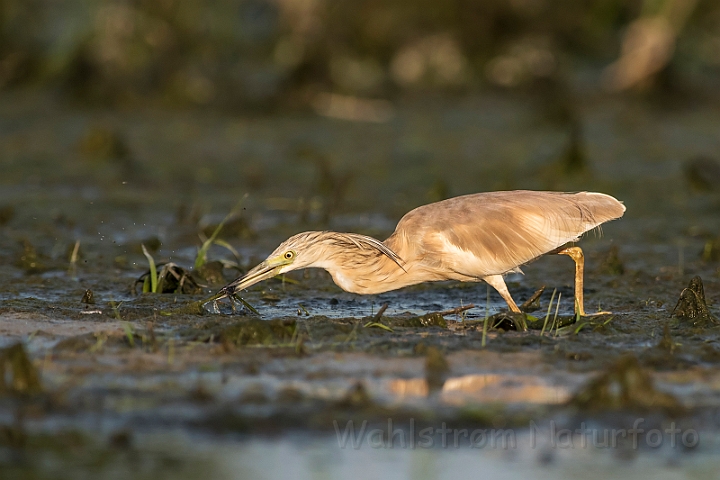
[343, 281]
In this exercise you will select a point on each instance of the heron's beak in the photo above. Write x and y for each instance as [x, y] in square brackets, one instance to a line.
[267, 269]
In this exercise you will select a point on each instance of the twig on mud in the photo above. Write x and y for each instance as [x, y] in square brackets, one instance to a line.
[454, 311]
[525, 307]
[378, 315]
[375, 322]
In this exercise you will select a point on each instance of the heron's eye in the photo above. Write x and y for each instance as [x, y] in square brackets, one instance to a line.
[289, 255]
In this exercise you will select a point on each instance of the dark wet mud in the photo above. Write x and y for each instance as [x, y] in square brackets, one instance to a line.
[99, 375]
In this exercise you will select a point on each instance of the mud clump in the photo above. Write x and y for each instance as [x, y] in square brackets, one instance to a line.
[691, 309]
[509, 321]
[423, 321]
[252, 331]
[624, 386]
[88, 297]
[356, 397]
[18, 374]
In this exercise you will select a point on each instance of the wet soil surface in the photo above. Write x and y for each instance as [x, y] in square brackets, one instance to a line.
[100, 376]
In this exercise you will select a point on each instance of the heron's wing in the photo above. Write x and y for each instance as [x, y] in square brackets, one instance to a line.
[493, 233]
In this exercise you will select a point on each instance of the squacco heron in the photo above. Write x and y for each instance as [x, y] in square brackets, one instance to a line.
[469, 238]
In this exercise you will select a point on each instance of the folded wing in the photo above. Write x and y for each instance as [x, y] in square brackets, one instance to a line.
[496, 232]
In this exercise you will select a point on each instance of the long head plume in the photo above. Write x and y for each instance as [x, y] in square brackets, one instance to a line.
[313, 249]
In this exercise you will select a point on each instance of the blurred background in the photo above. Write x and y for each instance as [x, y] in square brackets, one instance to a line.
[180, 93]
[233, 93]
[265, 55]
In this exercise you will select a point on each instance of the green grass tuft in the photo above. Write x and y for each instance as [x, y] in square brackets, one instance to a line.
[153, 272]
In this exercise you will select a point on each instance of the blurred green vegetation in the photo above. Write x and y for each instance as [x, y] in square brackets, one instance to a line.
[269, 53]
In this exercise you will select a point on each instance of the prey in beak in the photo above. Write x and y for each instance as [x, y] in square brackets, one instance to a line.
[271, 267]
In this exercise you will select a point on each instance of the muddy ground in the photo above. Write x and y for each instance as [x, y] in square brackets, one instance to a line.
[110, 381]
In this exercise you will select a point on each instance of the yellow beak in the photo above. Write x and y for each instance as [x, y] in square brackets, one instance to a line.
[267, 269]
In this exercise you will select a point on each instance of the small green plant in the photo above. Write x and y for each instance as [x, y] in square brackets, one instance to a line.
[375, 322]
[378, 325]
[153, 286]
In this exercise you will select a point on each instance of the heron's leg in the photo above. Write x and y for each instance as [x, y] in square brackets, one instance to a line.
[577, 255]
[497, 282]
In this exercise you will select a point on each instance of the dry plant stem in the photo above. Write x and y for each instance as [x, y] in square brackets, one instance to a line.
[454, 311]
[379, 313]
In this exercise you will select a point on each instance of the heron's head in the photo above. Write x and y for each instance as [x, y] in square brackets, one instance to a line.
[329, 250]
[308, 249]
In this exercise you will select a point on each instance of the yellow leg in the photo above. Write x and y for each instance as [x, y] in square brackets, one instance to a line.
[497, 282]
[577, 255]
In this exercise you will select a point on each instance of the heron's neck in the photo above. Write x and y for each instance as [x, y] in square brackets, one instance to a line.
[376, 276]
[364, 270]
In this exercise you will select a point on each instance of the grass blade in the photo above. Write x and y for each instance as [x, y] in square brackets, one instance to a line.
[153, 270]
[547, 315]
[378, 325]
